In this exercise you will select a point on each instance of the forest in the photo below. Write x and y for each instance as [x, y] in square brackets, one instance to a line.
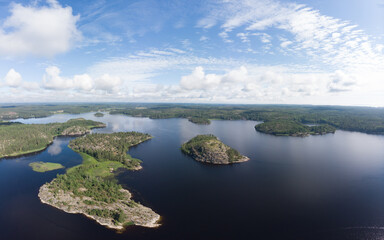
[361, 119]
[110, 147]
[17, 139]
[292, 128]
[94, 178]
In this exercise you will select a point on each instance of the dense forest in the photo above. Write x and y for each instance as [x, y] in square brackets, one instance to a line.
[293, 128]
[110, 147]
[361, 119]
[17, 139]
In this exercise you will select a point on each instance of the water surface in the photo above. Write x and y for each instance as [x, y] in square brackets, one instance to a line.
[317, 187]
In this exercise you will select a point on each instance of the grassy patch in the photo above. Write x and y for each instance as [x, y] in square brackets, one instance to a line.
[45, 166]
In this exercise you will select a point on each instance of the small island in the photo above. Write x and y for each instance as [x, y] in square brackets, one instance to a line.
[293, 128]
[209, 149]
[99, 114]
[18, 139]
[45, 166]
[199, 120]
[91, 188]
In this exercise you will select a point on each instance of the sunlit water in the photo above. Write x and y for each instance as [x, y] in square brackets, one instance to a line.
[317, 187]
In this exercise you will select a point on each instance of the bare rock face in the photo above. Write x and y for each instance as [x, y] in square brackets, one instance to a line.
[208, 149]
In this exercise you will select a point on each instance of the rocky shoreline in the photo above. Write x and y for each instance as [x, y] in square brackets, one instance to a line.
[135, 213]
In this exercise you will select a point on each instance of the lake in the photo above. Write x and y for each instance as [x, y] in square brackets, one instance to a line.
[317, 187]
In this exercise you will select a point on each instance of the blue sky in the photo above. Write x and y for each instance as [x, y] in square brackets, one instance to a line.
[250, 51]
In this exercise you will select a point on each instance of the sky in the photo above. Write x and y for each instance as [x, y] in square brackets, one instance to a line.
[321, 52]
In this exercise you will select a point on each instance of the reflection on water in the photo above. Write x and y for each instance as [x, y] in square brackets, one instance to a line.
[317, 187]
[56, 147]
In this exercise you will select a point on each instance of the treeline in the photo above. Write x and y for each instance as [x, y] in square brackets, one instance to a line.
[16, 139]
[110, 147]
[8, 112]
[292, 128]
[361, 119]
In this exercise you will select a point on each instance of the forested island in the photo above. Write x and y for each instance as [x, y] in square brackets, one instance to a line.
[18, 139]
[209, 149]
[293, 128]
[92, 190]
[99, 114]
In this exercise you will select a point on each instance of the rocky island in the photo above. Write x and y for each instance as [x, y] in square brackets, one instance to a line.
[91, 189]
[209, 149]
[293, 128]
[17, 139]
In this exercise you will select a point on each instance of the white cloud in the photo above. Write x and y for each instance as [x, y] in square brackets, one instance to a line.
[13, 78]
[199, 80]
[324, 39]
[41, 31]
[53, 80]
[83, 82]
[109, 84]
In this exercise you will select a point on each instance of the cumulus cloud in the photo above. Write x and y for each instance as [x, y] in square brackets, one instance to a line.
[53, 80]
[341, 82]
[109, 84]
[38, 30]
[13, 78]
[199, 80]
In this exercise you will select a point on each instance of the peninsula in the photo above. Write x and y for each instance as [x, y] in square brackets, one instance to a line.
[209, 149]
[292, 128]
[17, 139]
[91, 189]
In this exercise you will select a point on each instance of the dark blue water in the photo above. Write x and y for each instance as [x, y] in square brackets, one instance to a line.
[318, 187]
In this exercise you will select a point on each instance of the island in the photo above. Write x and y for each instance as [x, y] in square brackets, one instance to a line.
[293, 128]
[18, 139]
[199, 120]
[45, 166]
[209, 149]
[91, 188]
[99, 114]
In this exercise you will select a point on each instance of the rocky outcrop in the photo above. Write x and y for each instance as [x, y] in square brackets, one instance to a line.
[208, 149]
[134, 213]
[75, 131]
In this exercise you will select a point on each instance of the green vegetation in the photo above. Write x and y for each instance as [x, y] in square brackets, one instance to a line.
[99, 114]
[8, 112]
[209, 149]
[45, 166]
[102, 155]
[94, 184]
[110, 147]
[17, 139]
[292, 128]
[361, 119]
[198, 120]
